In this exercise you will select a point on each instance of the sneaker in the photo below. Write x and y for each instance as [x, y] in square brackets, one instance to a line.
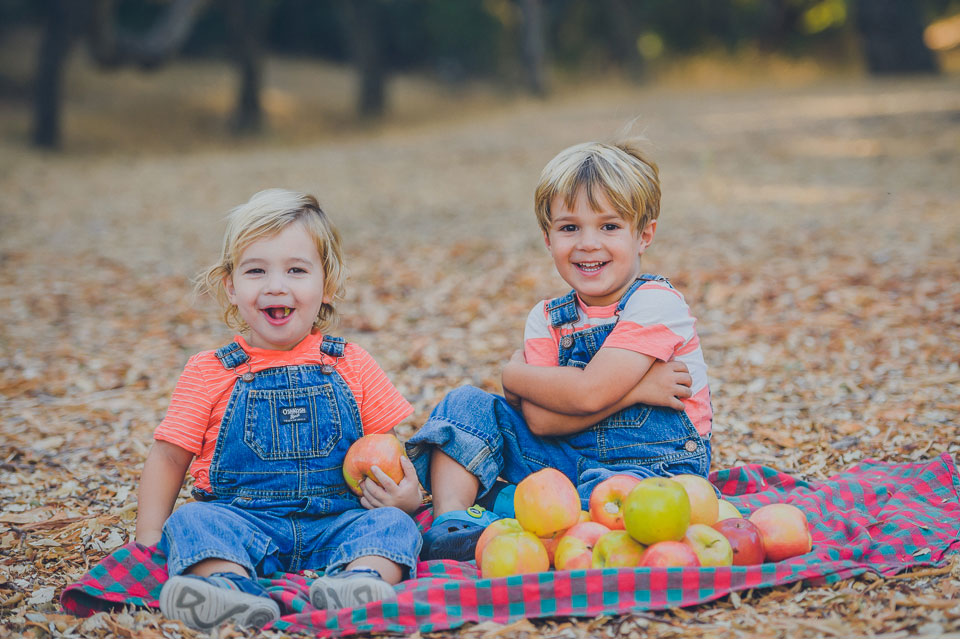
[203, 603]
[349, 589]
[454, 534]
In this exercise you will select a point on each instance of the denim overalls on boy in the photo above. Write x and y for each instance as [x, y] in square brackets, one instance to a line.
[278, 499]
[491, 439]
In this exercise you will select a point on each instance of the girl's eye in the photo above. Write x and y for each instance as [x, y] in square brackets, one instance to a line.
[297, 269]
[254, 271]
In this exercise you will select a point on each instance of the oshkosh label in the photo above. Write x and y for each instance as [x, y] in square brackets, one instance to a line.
[293, 414]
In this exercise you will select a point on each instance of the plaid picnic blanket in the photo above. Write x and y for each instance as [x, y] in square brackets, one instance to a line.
[880, 517]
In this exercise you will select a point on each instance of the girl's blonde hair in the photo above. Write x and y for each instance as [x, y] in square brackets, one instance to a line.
[619, 170]
[264, 215]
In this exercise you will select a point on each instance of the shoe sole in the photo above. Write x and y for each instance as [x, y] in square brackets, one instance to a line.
[203, 606]
[330, 593]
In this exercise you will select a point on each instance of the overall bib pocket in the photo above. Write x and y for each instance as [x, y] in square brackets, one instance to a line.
[292, 423]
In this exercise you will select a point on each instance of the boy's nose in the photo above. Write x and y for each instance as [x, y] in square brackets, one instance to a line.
[588, 239]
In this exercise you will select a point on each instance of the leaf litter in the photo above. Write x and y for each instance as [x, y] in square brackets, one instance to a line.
[814, 232]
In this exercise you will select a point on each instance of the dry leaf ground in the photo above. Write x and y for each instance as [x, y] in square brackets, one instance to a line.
[814, 229]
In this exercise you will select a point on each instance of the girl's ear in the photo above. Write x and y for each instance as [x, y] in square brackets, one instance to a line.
[229, 288]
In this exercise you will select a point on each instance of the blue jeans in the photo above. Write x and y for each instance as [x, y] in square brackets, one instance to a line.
[266, 540]
[488, 437]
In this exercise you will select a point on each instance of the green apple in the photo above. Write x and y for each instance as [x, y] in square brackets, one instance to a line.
[617, 549]
[657, 509]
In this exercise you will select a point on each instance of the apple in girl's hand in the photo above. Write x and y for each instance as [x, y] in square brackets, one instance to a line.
[546, 502]
[516, 553]
[607, 497]
[617, 549]
[711, 547]
[666, 554]
[745, 540]
[704, 504]
[657, 509]
[726, 510]
[784, 529]
[495, 529]
[382, 450]
[575, 548]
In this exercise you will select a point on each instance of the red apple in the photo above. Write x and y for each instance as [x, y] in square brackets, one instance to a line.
[606, 500]
[616, 549]
[745, 540]
[726, 510]
[657, 509]
[546, 502]
[498, 527]
[515, 553]
[575, 548]
[382, 450]
[711, 546]
[665, 554]
[784, 529]
[703, 498]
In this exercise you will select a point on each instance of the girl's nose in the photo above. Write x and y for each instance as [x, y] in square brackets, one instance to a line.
[276, 283]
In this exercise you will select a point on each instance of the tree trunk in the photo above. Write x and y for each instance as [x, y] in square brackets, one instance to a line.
[533, 49]
[245, 19]
[892, 34]
[623, 37]
[60, 26]
[363, 18]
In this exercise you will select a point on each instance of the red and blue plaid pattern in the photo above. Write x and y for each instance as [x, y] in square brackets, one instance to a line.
[879, 517]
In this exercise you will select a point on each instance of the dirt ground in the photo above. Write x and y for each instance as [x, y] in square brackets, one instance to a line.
[813, 226]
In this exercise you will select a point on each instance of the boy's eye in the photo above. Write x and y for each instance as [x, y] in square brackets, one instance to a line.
[568, 228]
[610, 226]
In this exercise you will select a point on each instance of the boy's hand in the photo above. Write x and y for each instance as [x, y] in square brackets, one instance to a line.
[405, 495]
[665, 384]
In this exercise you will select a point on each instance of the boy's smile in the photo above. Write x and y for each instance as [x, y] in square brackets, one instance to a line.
[277, 286]
[595, 252]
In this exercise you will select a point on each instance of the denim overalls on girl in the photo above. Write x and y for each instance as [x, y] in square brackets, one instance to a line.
[491, 439]
[278, 499]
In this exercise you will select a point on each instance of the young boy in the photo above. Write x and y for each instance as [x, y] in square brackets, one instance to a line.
[611, 378]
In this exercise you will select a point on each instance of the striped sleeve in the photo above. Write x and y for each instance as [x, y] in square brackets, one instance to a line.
[191, 406]
[539, 344]
[655, 322]
[381, 405]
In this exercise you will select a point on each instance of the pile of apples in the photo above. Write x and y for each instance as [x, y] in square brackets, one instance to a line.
[653, 522]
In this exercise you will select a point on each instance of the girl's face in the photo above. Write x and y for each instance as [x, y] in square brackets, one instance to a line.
[277, 286]
[595, 252]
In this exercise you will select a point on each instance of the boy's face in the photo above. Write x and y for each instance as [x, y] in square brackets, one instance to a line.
[595, 252]
[277, 286]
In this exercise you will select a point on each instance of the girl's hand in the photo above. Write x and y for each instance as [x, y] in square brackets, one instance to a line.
[406, 495]
[665, 384]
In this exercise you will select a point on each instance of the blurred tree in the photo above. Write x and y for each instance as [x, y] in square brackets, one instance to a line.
[892, 35]
[534, 46]
[113, 46]
[364, 19]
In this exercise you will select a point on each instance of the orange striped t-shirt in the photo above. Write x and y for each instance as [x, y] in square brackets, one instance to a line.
[200, 398]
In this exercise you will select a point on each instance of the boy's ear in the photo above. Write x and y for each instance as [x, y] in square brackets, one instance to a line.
[546, 239]
[646, 235]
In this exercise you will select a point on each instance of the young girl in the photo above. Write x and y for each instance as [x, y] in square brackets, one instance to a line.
[266, 421]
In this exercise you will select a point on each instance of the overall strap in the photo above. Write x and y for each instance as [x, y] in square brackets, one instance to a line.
[231, 355]
[332, 346]
[563, 310]
[640, 281]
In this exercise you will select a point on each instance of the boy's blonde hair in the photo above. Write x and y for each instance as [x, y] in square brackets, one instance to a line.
[264, 215]
[619, 170]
